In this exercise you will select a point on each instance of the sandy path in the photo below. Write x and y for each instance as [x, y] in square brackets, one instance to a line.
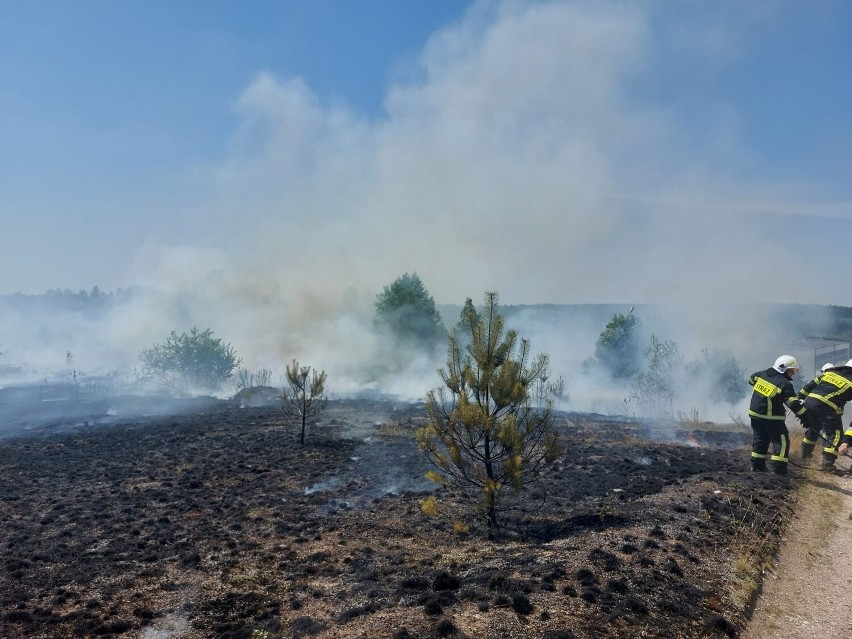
[809, 592]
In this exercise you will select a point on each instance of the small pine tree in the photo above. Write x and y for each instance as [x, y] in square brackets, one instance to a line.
[304, 395]
[483, 430]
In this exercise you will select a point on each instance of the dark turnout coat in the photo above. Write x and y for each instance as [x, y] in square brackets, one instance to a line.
[833, 390]
[772, 392]
[809, 386]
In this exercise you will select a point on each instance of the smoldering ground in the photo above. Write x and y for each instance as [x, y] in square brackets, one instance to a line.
[215, 523]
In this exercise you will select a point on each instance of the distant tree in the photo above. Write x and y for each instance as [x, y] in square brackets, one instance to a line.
[407, 310]
[194, 360]
[723, 372]
[304, 395]
[617, 349]
[658, 385]
[468, 318]
[483, 431]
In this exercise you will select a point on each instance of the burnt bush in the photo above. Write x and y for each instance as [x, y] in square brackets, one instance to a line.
[415, 582]
[357, 611]
[18, 616]
[445, 581]
[521, 604]
[432, 605]
[605, 559]
[502, 601]
[306, 627]
[113, 628]
[445, 628]
[618, 586]
[673, 567]
[719, 624]
[585, 577]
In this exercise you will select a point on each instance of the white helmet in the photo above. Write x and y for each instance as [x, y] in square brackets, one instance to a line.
[826, 366]
[849, 363]
[786, 362]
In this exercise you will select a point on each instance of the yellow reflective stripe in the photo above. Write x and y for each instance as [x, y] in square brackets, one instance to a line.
[825, 400]
[781, 455]
[765, 388]
[842, 385]
[837, 380]
[765, 416]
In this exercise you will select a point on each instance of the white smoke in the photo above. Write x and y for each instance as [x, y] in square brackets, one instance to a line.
[517, 154]
[171, 626]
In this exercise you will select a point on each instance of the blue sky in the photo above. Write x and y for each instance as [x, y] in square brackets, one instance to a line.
[561, 152]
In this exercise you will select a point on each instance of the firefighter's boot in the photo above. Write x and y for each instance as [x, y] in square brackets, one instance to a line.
[827, 464]
[807, 450]
[758, 465]
[779, 468]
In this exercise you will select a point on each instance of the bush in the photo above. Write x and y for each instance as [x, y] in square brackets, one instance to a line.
[190, 361]
[658, 386]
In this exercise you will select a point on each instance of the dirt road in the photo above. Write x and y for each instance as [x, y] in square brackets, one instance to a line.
[808, 592]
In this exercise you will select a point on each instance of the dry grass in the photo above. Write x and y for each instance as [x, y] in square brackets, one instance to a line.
[756, 536]
[796, 435]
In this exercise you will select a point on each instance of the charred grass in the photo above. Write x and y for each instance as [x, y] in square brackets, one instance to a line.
[218, 524]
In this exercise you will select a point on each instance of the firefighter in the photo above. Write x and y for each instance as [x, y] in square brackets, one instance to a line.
[821, 424]
[824, 404]
[773, 391]
[809, 386]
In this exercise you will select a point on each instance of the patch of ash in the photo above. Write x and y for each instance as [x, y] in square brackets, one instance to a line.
[173, 625]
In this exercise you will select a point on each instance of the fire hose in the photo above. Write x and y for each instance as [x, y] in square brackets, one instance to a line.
[826, 440]
[830, 445]
[839, 454]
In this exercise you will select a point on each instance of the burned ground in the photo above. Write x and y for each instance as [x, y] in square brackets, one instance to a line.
[216, 523]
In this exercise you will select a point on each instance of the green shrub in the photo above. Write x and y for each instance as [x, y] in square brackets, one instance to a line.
[190, 361]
